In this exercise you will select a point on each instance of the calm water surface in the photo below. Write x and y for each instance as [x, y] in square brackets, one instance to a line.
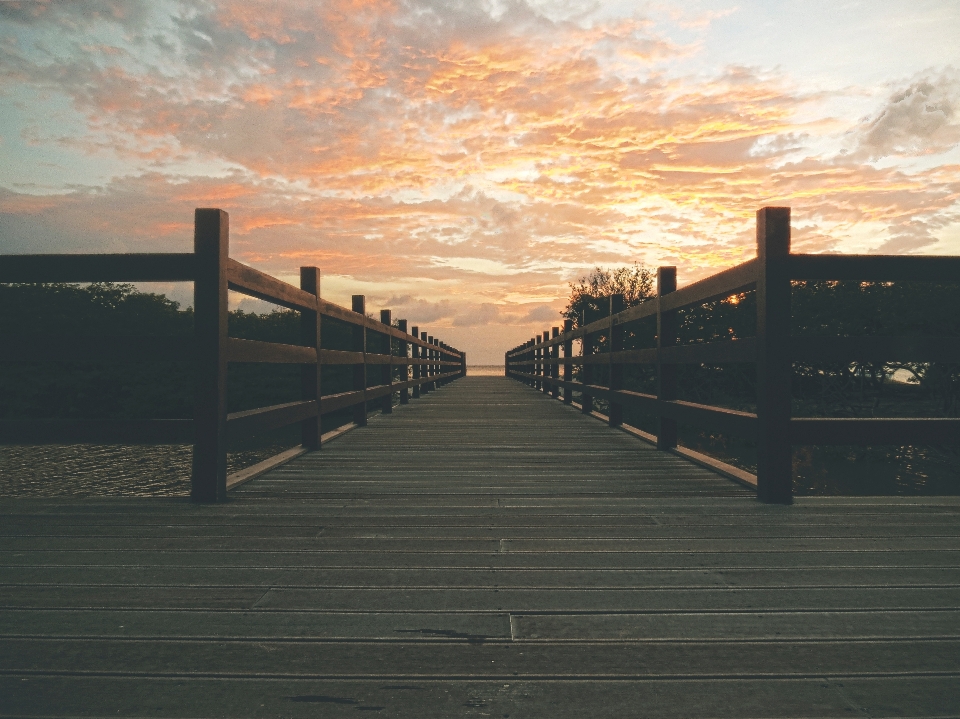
[90, 470]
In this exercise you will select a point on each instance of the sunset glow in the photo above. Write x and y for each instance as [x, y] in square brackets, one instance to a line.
[461, 163]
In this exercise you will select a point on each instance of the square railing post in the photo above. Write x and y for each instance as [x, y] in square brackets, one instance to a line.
[555, 367]
[774, 367]
[567, 367]
[360, 370]
[386, 370]
[310, 429]
[586, 374]
[666, 373]
[538, 367]
[544, 367]
[531, 357]
[415, 355]
[615, 369]
[405, 368]
[211, 247]
[427, 369]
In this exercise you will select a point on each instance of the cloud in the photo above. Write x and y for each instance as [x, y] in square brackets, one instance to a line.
[542, 313]
[920, 119]
[459, 162]
[478, 316]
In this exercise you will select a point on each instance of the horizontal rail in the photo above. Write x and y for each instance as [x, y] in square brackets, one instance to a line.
[239, 350]
[133, 267]
[875, 268]
[741, 424]
[265, 419]
[96, 431]
[729, 282]
[875, 349]
[111, 349]
[874, 431]
[255, 283]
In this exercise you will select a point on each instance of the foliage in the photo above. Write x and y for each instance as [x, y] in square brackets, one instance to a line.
[590, 295]
[819, 308]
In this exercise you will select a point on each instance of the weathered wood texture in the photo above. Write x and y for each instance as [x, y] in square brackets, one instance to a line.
[486, 551]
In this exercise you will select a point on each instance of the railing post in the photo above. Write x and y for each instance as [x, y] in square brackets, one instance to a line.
[463, 363]
[615, 369]
[405, 353]
[544, 367]
[567, 367]
[774, 367]
[415, 355]
[360, 370]
[428, 354]
[437, 382]
[310, 429]
[386, 370]
[666, 373]
[424, 368]
[441, 357]
[555, 367]
[211, 247]
[532, 357]
[537, 368]
[586, 374]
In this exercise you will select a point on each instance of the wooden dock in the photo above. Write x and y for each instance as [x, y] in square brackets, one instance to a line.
[486, 551]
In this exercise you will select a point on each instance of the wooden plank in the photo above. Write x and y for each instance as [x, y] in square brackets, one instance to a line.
[431, 696]
[133, 267]
[491, 659]
[96, 431]
[239, 350]
[255, 283]
[265, 419]
[109, 349]
[875, 268]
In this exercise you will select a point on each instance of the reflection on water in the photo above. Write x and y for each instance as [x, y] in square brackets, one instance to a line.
[85, 470]
[847, 470]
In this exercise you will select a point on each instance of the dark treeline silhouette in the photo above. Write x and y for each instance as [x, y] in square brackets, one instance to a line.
[66, 389]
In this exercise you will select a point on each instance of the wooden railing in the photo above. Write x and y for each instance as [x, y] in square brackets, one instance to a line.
[213, 272]
[773, 350]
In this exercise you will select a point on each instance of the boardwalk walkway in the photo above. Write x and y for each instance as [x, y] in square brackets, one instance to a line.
[484, 551]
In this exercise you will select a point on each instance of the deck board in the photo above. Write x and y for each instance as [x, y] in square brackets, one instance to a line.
[482, 551]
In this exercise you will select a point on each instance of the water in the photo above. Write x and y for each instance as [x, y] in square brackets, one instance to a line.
[92, 470]
[485, 370]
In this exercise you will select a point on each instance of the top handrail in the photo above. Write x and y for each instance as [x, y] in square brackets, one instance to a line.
[743, 277]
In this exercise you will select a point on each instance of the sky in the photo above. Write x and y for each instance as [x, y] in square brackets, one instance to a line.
[460, 163]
